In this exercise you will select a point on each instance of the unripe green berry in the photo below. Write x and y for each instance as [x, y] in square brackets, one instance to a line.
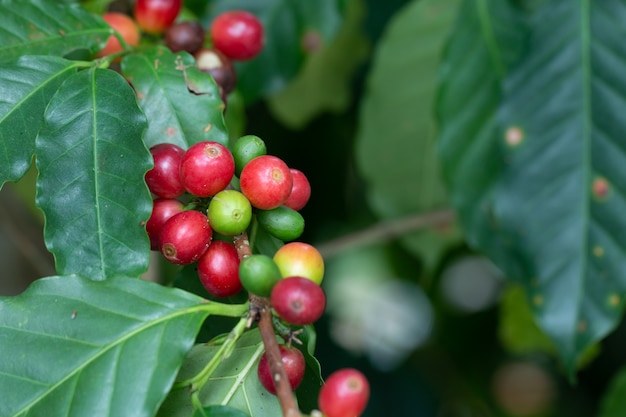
[282, 222]
[229, 212]
[259, 274]
[245, 149]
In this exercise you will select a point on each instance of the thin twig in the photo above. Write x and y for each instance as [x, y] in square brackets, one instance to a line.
[386, 231]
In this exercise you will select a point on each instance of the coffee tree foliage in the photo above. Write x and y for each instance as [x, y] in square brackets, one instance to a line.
[509, 114]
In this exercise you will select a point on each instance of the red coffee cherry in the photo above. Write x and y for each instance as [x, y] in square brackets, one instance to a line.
[345, 393]
[162, 210]
[300, 191]
[298, 300]
[154, 16]
[126, 27]
[206, 169]
[238, 34]
[185, 237]
[218, 269]
[164, 179]
[266, 181]
[293, 362]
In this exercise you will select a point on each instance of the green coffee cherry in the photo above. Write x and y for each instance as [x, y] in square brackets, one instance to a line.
[229, 212]
[259, 274]
[282, 222]
[245, 149]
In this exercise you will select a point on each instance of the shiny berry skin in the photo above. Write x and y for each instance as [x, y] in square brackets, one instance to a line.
[154, 16]
[164, 179]
[266, 181]
[282, 222]
[213, 62]
[162, 210]
[344, 394]
[259, 274]
[245, 149]
[126, 27]
[206, 169]
[184, 36]
[293, 362]
[229, 212]
[300, 259]
[238, 34]
[298, 301]
[185, 237]
[300, 191]
[218, 269]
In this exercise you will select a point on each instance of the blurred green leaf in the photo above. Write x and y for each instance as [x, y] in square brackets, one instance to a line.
[109, 348]
[91, 163]
[614, 401]
[531, 126]
[33, 80]
[40, 27]
[219, 411]
[396, 136]
[235, 382]
[182, 104]
[286, 24]
[326, 77]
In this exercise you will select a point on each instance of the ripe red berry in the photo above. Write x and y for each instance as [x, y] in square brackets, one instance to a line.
[162, 210]
[207, 168]
[238, 34]
[218, 269]
[126, 27]
[300, 191]
[293, 362]
[344, 394]
[184, 36]
[185, 237]
[164, 179]
[154, 16]
[298, 300]
[266, 181]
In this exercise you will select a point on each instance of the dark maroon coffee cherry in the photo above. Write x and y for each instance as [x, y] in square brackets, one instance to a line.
[293, 362]
[218, 269]
[184, 36]
[221, 68]
[164, 179]
[298, 300]
[162, 210]
[185, 237]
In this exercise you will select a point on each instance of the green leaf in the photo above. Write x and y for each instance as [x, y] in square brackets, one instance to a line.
[32, 80]
[308, 390]
[614, 401]
[396, 133]
[73, 346]
[327, 75]
[219, 411]
[286, 23]
[235, 382]
[91, 163]
[546, 203]
[40, 27]
[182, 104]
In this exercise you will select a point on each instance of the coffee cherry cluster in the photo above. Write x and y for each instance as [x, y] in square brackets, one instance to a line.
[199, 206]
[234, 35]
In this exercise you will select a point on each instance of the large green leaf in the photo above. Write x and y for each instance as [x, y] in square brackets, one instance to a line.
[286, 23]
[534, 157]
[396, 136]
[614, 401]
[76, 347]
[45, 27]
[235, 382]
[32, 80]
[182, 104]
[91, 163]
